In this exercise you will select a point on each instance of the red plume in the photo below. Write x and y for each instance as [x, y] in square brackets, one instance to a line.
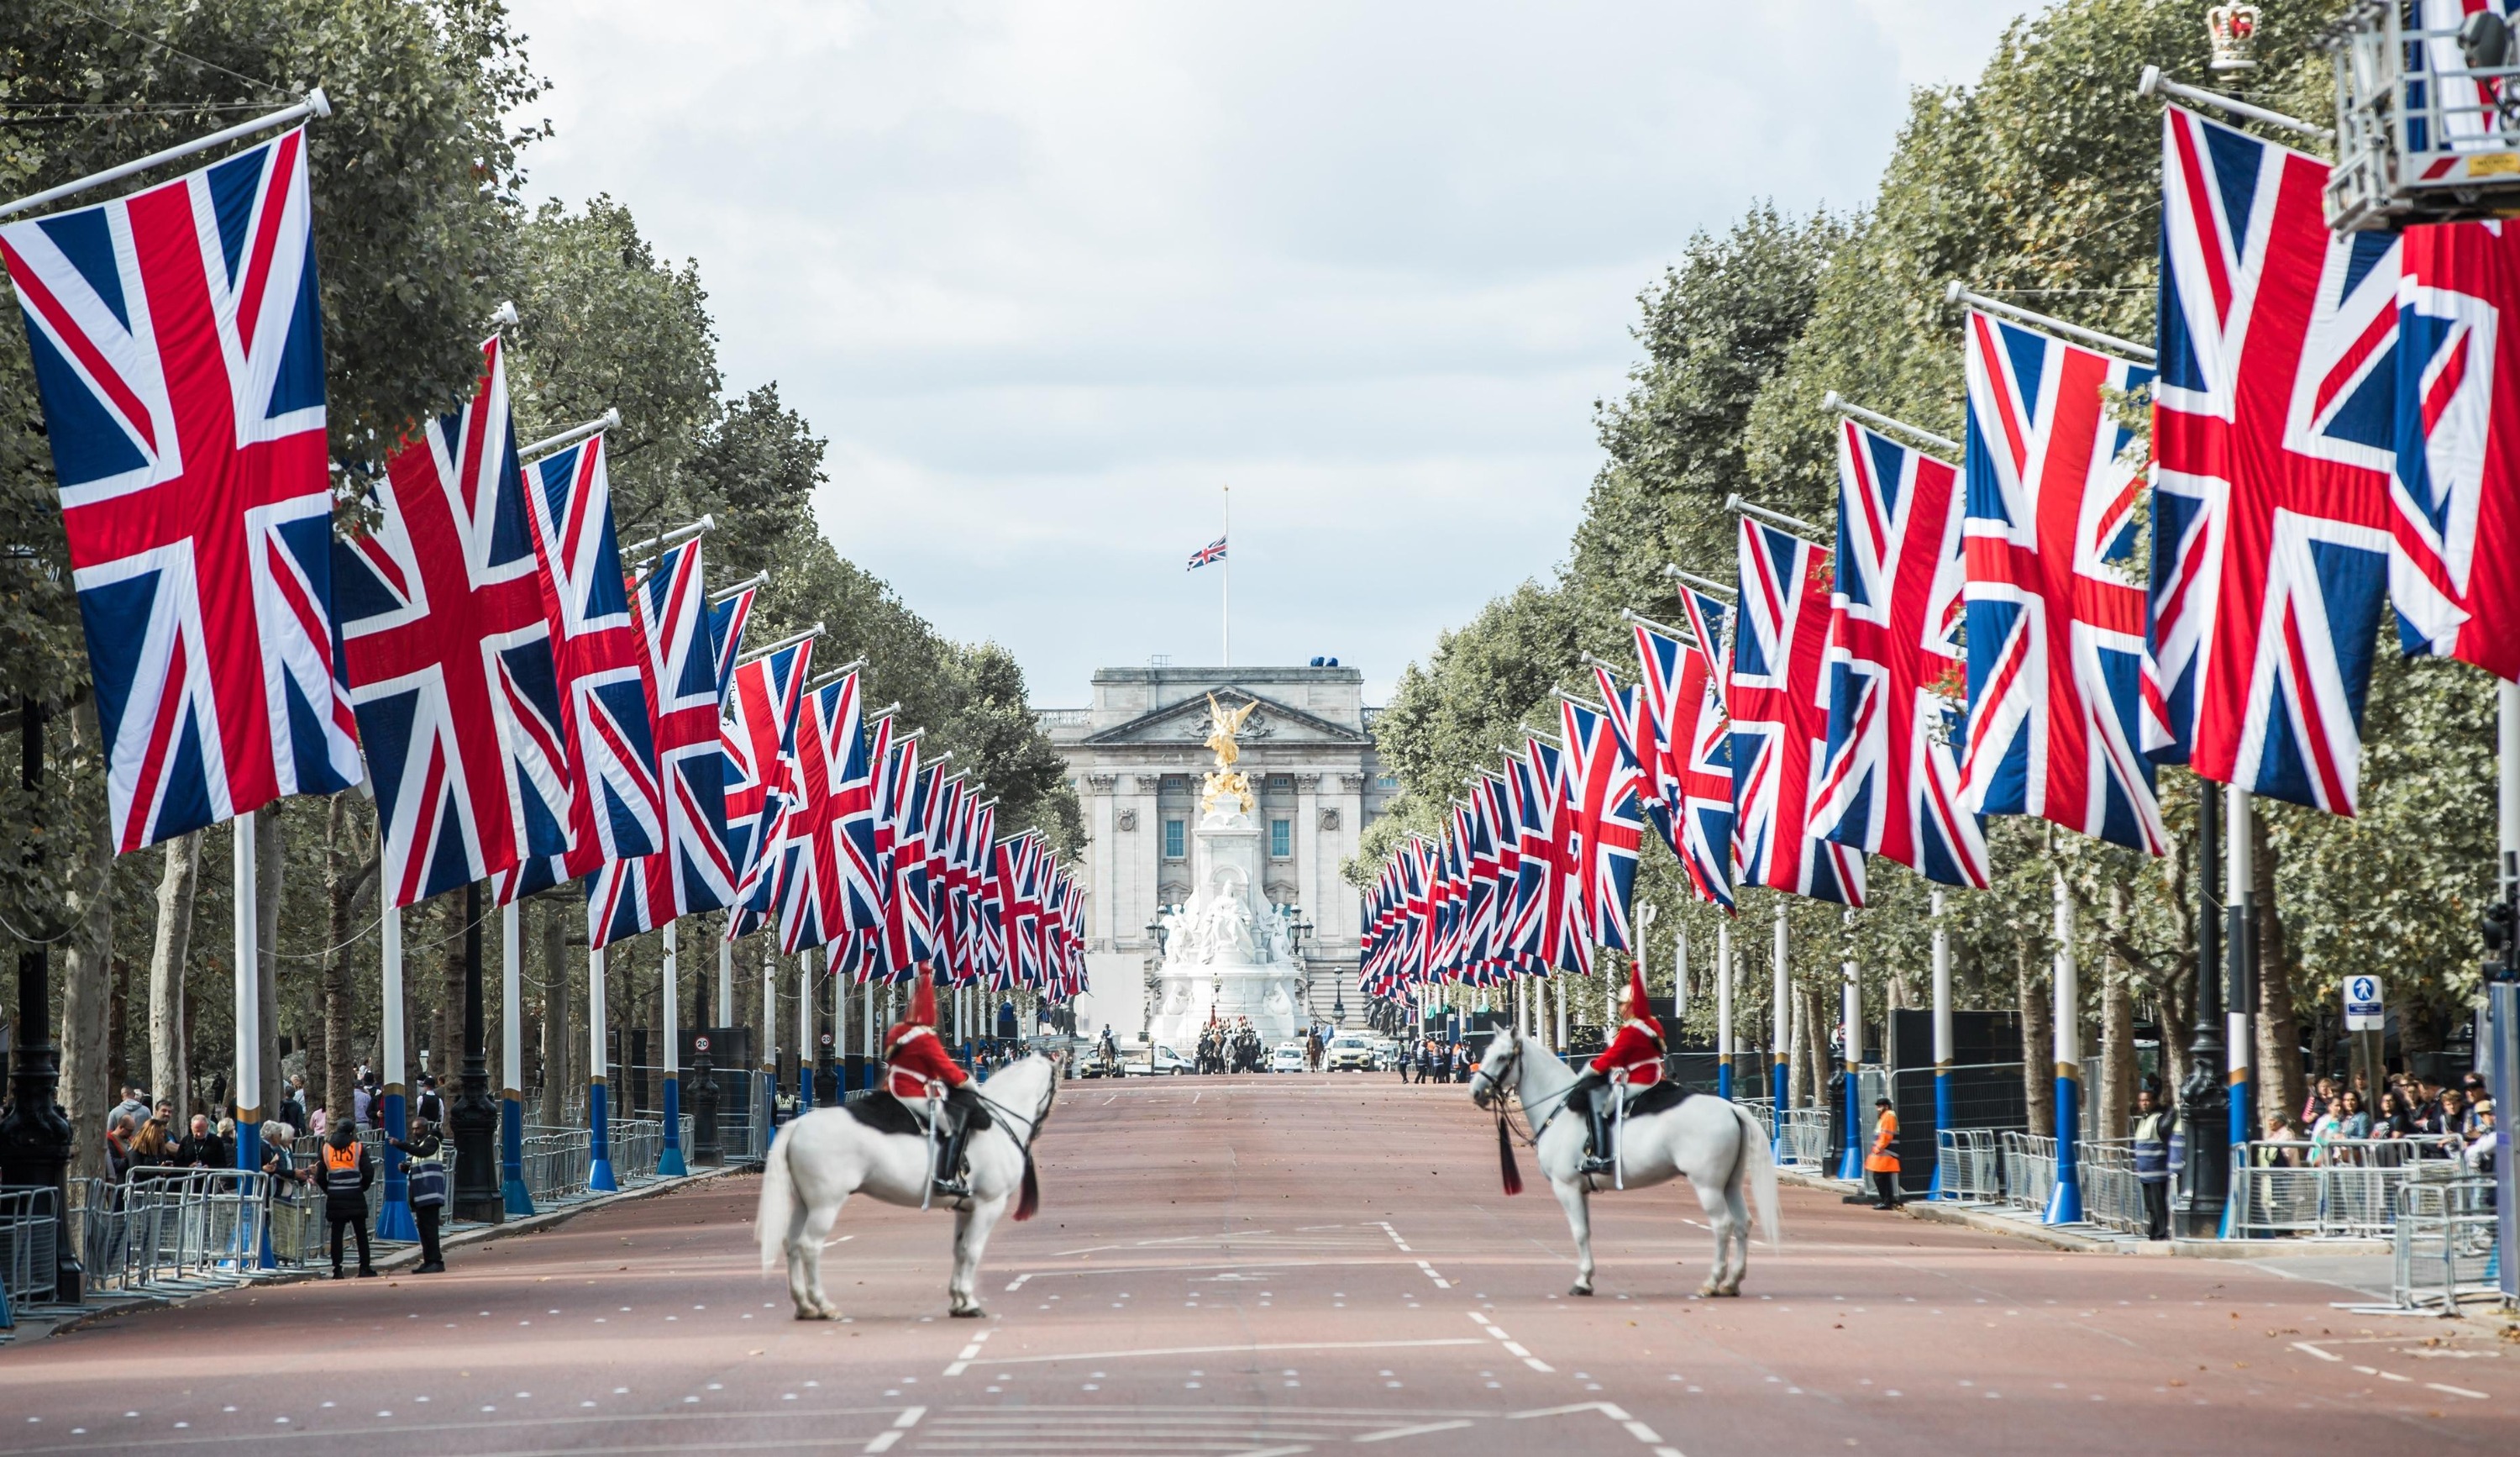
[1638, 1007]
[922, 1000]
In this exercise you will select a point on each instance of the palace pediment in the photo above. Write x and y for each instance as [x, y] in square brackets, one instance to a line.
[1272, 724]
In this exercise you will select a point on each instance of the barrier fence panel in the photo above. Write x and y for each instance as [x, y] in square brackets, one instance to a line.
[2336, 1187]
[1764, 1111]
[2112, 1195]
[1806, 1138]
[29, 1242]
[2443, 1242]
[2029, 1169]
[1970, 1168]
[557, 1161]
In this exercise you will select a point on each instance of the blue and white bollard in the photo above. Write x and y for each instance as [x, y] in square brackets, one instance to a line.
[2065, 1200]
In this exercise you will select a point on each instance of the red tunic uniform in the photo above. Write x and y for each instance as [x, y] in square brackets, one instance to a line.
[913, 1056]
[1636, 1050]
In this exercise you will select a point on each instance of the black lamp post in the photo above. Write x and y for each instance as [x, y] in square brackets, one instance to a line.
[474, 1117]
[2204, 1100]
[705, 1151]
[34, 1134]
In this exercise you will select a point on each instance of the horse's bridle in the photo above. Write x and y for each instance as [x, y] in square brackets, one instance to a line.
[1496, 1084]
[1040, 1115]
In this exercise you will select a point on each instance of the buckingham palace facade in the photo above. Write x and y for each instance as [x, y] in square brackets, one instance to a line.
[1136, 758]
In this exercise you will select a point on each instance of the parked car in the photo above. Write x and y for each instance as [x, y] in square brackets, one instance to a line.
[1134, 1062]
[1349, 1052]
[1289, 1057]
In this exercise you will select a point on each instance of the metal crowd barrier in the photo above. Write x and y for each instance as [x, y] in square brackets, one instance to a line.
[173, 1233]
[30, 1244]
[2112, 1195]
[2029, 1169]
[1806, 1138]
[2443, 1241]
[2339, 1188]
[1764, 1111]
[557, 1161]
[1965, 1159]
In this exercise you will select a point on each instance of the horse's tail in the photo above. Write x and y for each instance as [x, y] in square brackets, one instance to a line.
[1758, 1167]
[1028, 1203]
[778, 1207]
[1505, 1156]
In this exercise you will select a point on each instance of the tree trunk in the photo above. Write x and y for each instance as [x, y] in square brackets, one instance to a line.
[557, 1081]
[86, 970]
[2279, 1050]
[446, 1039]
[339, 851]
[1817, 1020]
[167, 1075]
[270, 861]
[2117, 1027]
[2038, 1040]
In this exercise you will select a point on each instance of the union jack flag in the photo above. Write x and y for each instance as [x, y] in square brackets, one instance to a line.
[695, 871]
[2058, 665]
[2275, 429]
[1214, 551]
[1781, 721]
[851, 849]
[1606, 831]
[178, 352]
[727, 618]
[1890, 783]
[448, 657]
[908, 936]
[1694, 751]
[2459, 447]
[616, 800]
[1537, 798]
[759, 739]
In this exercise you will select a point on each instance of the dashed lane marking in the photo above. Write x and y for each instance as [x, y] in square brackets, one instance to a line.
[1017, 1283]
[1203, 1350]
[1610, 1409]
[962, 1359]
[1395, 1236]
[2458, 1391]
[908, 1419]
[2324, 1356]
[1440, 1282]
[1514, 1346]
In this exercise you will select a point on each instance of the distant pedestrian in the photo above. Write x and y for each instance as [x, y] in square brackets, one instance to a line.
[134, 1103]
[202, 1147]
[362, 1106]
[347, 1173]
[2151, 1147]
[118, 1131]
[430, 1106]
[428, 1174]
[1883, 1163]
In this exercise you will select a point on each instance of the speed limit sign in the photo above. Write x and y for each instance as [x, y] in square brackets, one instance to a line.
[700, 1043]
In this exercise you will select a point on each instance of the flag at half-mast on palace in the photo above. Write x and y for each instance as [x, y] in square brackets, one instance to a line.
[2454, 561]
[759, 739]
[598, 646]
[177, 340]
[448, 654]
[694, 870]
[2057, 666]
[2274, 430]
[1780, 721]
[1890, 779]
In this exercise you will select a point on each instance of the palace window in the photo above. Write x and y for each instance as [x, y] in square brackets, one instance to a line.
[1173, 838]
[1281, 839]
[1284, 784]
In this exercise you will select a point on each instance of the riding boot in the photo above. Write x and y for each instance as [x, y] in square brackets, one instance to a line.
[948, 1172]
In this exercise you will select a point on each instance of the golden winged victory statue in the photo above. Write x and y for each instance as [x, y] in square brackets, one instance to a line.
[1225, 782]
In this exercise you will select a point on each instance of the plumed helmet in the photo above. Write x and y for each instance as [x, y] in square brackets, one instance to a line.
[922, 999]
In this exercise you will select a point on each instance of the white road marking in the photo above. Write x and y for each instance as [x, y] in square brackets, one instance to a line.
[964, 1358]
[1440, 1282]
[1018, 1281]
[2324, 1356]
[2458, 1391]
[1201, 1351]
[1393, 1433]
[1514, 1346]
[908, 1419]
[1395, 1234]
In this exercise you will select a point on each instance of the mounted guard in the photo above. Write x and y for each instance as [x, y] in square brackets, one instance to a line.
[1631, 1063]
[923, 1074]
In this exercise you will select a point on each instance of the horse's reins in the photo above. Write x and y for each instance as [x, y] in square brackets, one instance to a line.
[1513, 1065]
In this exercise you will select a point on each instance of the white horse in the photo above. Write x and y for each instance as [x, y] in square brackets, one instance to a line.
[873, 1146]
[1715, 1144]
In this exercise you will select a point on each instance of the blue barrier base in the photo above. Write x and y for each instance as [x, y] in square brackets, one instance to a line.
[2065, 1200]
[513, 1193]
[669, 1158]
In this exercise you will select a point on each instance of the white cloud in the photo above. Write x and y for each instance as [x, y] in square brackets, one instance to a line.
[1048, 275]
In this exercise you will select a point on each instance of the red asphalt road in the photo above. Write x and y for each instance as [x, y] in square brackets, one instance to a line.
[1269, 1267]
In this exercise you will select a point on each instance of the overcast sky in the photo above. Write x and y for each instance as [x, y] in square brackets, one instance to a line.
[1049, 275]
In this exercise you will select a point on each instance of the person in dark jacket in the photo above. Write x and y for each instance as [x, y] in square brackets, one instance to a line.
[346, 1173]
[200, 1148]
[2151, 1147]
[428, 1174]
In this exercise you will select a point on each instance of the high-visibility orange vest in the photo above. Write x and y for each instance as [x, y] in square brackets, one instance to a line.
[1885, 1158]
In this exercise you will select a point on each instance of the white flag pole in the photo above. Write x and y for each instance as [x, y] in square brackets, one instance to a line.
[1226, 618]
[316, 105]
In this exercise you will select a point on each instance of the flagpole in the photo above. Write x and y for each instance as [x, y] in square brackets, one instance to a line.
[1227, 616]
[316, 106]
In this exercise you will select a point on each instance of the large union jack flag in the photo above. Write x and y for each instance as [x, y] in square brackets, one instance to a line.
[1780, 721]
[759, 739]
[1606, 831]
[2058, 665]
[694, 871]
[1890, 783]
[448, 656]
[730, 614]
[2456, 517]
[2275, 431]
[616, 799]
[1693, 760]
[1538, 800]
[177, 339]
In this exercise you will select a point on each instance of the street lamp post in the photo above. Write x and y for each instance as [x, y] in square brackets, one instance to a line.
[1155, 937]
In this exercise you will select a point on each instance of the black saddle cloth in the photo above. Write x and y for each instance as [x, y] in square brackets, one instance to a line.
[885, 1114]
